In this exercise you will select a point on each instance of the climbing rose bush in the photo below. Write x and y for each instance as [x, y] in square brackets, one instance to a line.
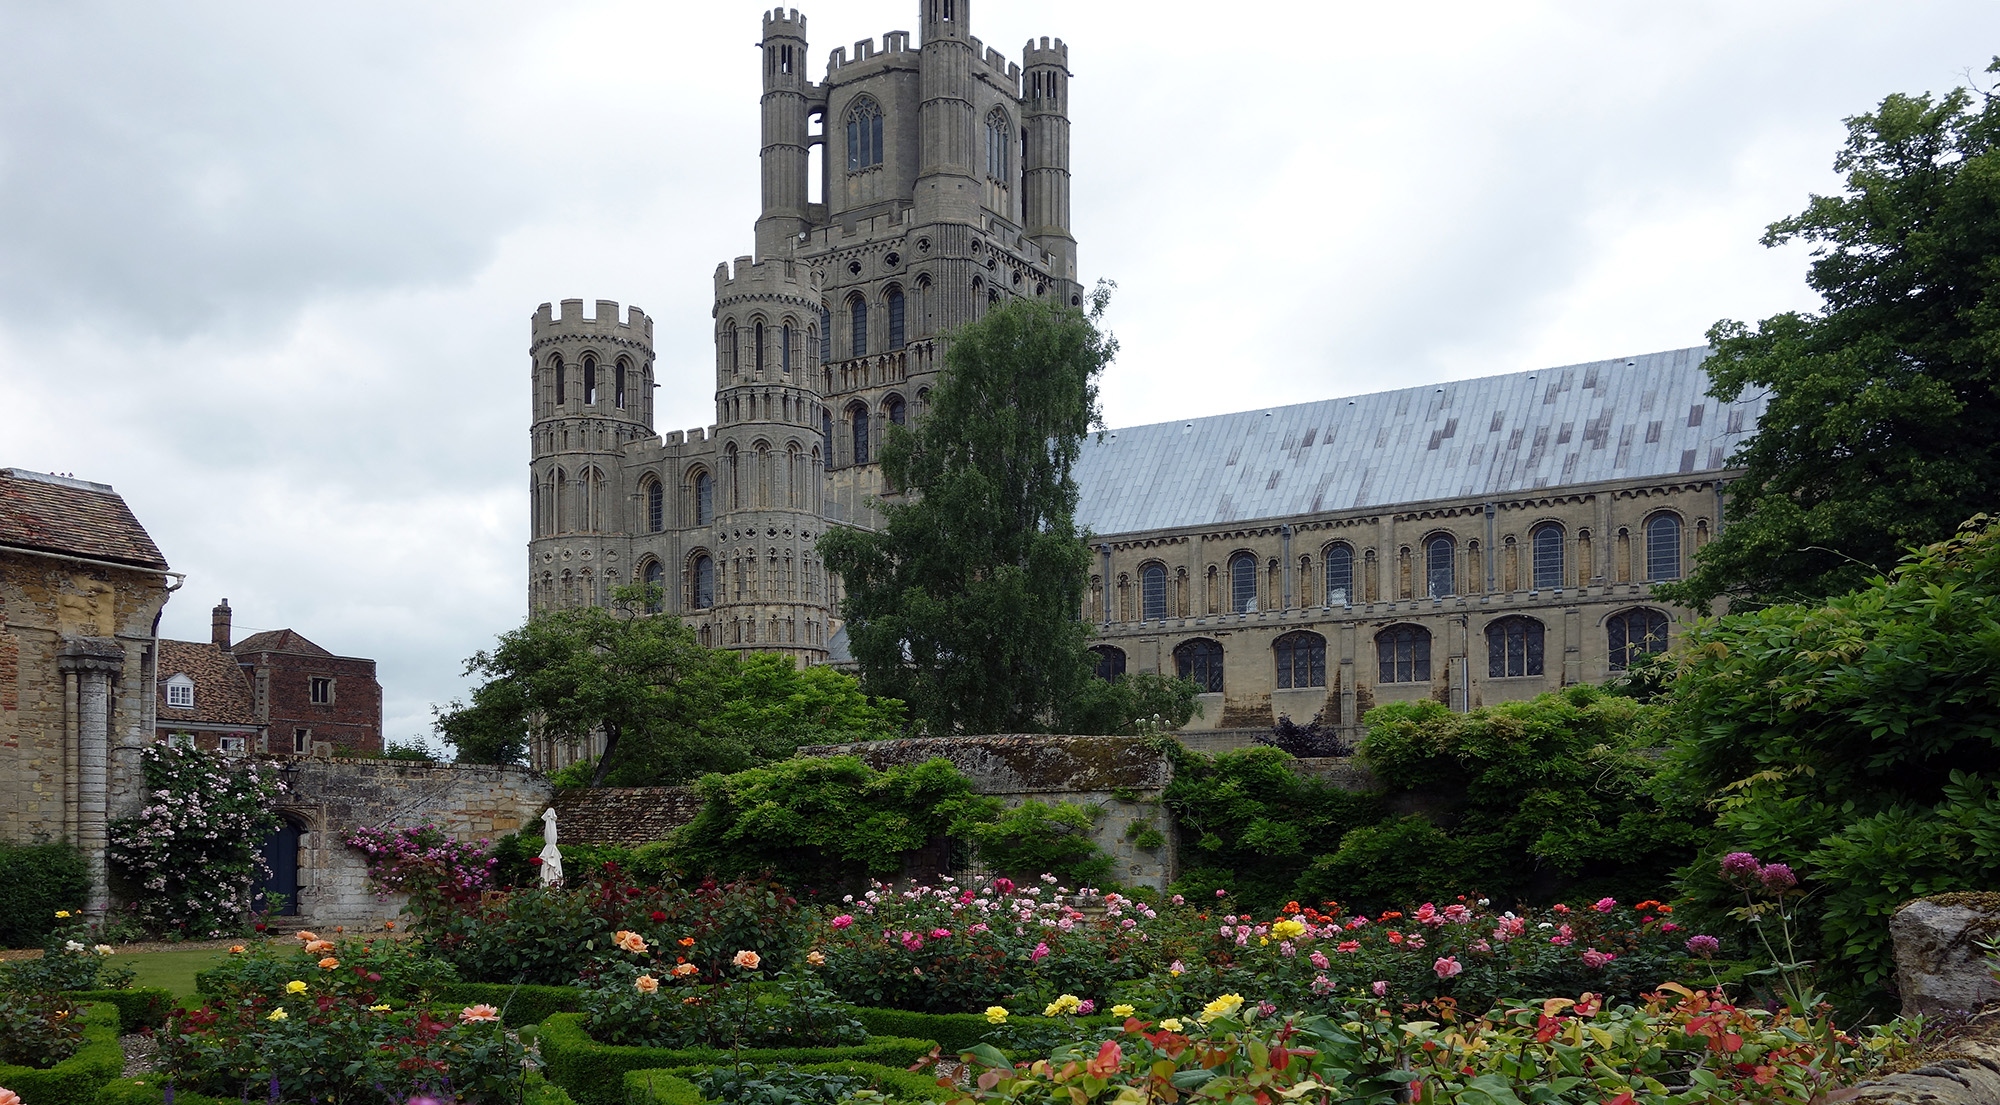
[194, 849]
[425, 863]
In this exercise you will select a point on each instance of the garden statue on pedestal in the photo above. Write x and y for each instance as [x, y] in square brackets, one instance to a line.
[552, 872]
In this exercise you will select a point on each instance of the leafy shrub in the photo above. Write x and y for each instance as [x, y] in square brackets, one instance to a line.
[823, 822]
[71, 959]
[437, 871]
[1856, 739]
[1035, 837]
[79, 1079]
[38, 1030]
[1314, 738]
[382, 969]
[36, 880]
[1251, 825]
[193, 849]
[517, 858]
[649, 1002]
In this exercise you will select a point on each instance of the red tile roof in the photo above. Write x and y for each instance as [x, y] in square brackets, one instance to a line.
[282, 640]
[77, 517]
[221, 690]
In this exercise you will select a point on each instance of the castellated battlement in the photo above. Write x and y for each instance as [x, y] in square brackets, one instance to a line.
[1045, 54]
[893, 42]
[636, 327]
[784, 20]
[773, 277]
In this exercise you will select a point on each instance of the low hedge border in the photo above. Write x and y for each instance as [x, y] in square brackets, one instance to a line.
[675, 1085]
[79, 1079]
[954, 1032]
[519, 1003]
[145, 1007]
[594, 1073]
[151, 1090]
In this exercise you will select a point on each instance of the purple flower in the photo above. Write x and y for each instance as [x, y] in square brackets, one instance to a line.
[1703, 946]
[1739, 866]
[1777, 878]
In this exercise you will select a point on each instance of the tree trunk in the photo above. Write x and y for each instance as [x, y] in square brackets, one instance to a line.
[604, 761]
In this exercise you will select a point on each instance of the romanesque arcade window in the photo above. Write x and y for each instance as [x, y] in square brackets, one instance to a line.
[1663, 547]
[589, 380]
[826, 328]
[656, 506]
[704, 499]
[1153, 592]
[1201, 661]
[785, 348]
[858, 417]
[1301, 660]
[997, 145]
[1340, 575]
[1110, 662]
[864, 135]
[618, 388]
[1440, 576]
[894, 410]
[556, 366]
[857, 317]
[896, 316]
[1548, 558]
[1513, 648]
[701, 582]
[757, 346]
[1405, 654]
[655, 576]
[1242, 583]
[1634, 633]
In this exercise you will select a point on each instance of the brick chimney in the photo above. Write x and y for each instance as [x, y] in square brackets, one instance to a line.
[218, 620]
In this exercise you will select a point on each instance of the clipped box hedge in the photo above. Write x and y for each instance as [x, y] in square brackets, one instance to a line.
[146, 1007]
[954, 1032]
[150, 1089]
[79, 1079]
[675, 1085]
[594, 1073]
[519, 1004]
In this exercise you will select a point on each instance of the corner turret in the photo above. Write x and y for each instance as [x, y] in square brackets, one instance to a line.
[784, 153]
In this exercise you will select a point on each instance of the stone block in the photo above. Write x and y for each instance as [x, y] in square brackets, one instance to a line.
[1939, 963]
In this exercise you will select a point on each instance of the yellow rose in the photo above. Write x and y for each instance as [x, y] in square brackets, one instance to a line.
[1066, 1004]
[62, 913]
[1288, 928]
[276, 1015]
[996, 1014]
[1224, 1006]
[1171, 1024]
[1122, 1010]
[295, 987]
[383, 1008]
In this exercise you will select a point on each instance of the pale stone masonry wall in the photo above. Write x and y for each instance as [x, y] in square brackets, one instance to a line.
[330, 798]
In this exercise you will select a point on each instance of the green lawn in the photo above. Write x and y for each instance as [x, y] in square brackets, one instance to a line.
[170, 970]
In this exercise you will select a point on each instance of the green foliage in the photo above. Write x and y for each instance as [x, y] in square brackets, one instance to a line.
[823, 822]
[72, 959]
[38, 1029]
[1035, 837]
[1530, 801]
[1250, 824]
[140, 1007]
[1135, 704]
[1858, 741]
[513, 852]
[1882, 431]
[79, 1078]
[594, 1073]
[519, 1003]
[650, 1004]
[36, 880]
[414, 750]
[669, 709]
[193, 850]
[964, 603]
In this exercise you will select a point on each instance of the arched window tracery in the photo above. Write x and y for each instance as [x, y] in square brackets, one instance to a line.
[1663, 547]
[1110, 661]
[1339, 559]
[1514, 648]
[1634, 633]
[1153, 592]
[1548, 553]
[1440, 567]
[1200, 660]
[1404, 654]
[1301, 657]
[1242, 583]
[864, 135]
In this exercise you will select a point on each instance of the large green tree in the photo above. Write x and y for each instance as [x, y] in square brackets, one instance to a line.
[966, 603]
[1883, 430]
[669, 709]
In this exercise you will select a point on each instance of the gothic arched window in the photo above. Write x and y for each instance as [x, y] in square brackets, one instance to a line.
[655, 576]
[894, 410]
[858, 415]
[704, 498]
[1242, 583]
[1548, 558]
[618, 390]
[1663, 547]
[1153, 592]
[1634, 633]
[1513, 648]
[589, 380]
[1440, 579]
[757, 346]
[1110, 662]
[857, 326]
[656, 506]
[826, 332]
[556, 366]
[785, 348]
[826, 428]
[864, 135]
[896, 318]
[1301, 660]
[1201, 661]
[1339, 575]
[1405, 654]
[701, 579]
[997, 145]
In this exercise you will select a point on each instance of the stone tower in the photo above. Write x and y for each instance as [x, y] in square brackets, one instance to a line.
[943, 186]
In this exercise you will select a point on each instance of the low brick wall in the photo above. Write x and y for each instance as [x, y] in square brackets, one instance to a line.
[330, 798]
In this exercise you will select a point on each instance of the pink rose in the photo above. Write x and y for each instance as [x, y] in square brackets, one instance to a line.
[843, 920]
[1381, 988]
[1448, 967]
[1605, 905]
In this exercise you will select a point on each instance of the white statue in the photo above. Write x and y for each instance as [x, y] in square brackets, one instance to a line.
[552, 873]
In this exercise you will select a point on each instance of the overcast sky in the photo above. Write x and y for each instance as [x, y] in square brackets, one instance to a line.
[268, 268]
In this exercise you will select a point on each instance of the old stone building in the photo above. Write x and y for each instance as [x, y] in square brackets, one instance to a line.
[81, 590]
[273, 692]
[1472, 541]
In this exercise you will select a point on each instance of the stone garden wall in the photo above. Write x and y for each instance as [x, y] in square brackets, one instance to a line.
[328, 799]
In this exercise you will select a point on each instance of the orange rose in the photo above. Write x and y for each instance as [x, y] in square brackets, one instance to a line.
[646, 984]
[304, 935]
[630, 941]
[747, 959]
[235, 949]
[318, 946]
[330, 963]
[473, 1014]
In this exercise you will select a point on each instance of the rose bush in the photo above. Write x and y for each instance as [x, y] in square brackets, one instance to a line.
[193, 847]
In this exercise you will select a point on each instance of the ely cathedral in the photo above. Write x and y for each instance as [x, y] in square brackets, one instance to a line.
[1474, 542]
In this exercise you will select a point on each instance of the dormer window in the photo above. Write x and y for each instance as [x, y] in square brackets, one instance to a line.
[180, 692]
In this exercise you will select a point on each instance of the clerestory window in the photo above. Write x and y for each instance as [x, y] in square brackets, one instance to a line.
[864, 135]
[997, 145]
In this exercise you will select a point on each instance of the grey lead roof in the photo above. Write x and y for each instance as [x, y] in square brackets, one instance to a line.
[1626, 418]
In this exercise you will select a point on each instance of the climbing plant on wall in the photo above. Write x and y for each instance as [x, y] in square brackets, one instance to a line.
[192, 852]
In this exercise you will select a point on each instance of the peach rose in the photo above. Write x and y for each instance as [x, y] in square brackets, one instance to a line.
[747, 959]
[317, 946]
[473, 1014]
[630, 941]
[816, 957]
[235, 949]
[646, 984]
[330, 963]
[304, 935]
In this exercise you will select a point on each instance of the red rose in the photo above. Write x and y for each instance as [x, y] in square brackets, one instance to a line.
[658, 916]
[536, 860]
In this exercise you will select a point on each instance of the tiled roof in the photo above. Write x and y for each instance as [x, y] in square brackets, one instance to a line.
[1626, 418]
[627, 816]
[280, 640]
[221, 690]
[64, 515]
